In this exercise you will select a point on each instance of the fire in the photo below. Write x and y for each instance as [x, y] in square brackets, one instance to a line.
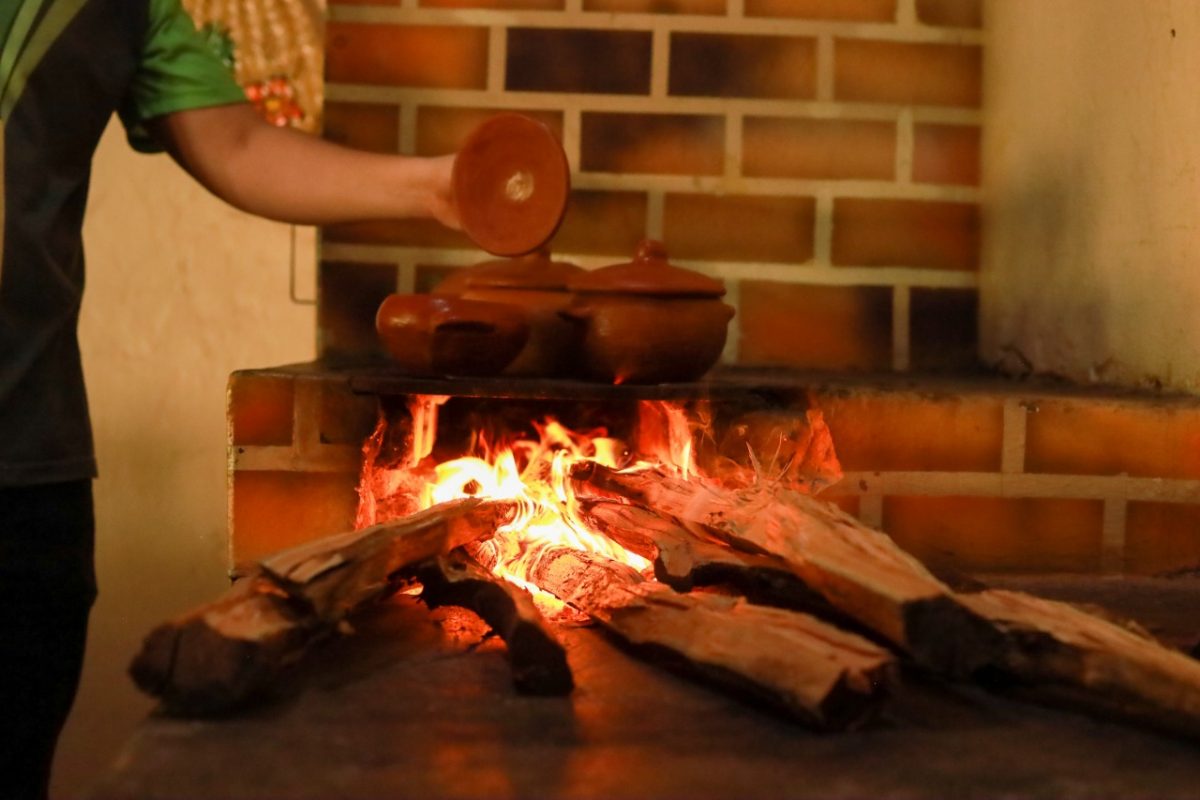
[532, 472]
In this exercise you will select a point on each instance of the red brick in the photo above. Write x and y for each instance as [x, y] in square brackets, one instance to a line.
[1161, 537]
[818, 148]
[851, 10]
[440, 57]
[502, 5]
[276, 510]
[674, 144]
[349, 294]
[657, 6]
[345, 417]
[569, 60]
[819, 327]
[943, 329]
[908, 73]
[995, 534]
[900, 431]
[366, 126]
[946, 154]
[914, 233]
[726, 65]
[260, 409]
[1110, 436]
[602, 223]
[739, 228]
[442, 129]
[951, 13]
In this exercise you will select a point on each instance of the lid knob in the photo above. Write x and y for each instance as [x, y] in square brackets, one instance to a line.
[651, 250]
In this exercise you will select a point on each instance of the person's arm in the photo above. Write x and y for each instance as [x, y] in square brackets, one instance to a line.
[292, 176]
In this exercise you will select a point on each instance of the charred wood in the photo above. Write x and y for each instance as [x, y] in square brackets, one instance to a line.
[1051, 650]
[859, 571]
[539, 663]
[223, 656]
[686, 556]
[822, 676]
[1058, 653]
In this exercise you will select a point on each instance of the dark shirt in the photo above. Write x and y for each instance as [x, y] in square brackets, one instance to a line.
[82, 61]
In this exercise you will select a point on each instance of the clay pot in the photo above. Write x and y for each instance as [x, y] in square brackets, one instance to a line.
[453, 336]
[648, 321]
[537, 285]
[511, 181]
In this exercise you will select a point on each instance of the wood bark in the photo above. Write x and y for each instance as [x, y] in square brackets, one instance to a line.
[225, 655]
[539, 663]
[686, 556]
[825, 677]
[859, 571]
[1059, 653]
[1051, 650]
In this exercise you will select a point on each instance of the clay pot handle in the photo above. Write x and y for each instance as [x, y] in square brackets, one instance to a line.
[651, 251]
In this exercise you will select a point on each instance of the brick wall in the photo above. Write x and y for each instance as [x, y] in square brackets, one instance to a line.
[821, 156]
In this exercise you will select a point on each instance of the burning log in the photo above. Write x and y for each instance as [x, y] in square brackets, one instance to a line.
[687, 556]
[1057, 651]
[859, 571]
[827, 678]
[539, 663]
[223, 656]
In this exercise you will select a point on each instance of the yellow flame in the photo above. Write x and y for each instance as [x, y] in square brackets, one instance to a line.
[546, 503]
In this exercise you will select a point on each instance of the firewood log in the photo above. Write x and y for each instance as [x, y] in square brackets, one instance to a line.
[1056, 652]
[539, 663]
[223, 656]
[1053, 651]
[686, 556]
[824, 677]
[859, 571]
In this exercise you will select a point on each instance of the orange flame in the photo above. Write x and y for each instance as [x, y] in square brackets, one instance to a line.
[534, 473]
[547, 506]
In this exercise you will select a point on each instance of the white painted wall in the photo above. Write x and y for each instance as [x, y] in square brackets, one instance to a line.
[1091, 262]
[182, 290]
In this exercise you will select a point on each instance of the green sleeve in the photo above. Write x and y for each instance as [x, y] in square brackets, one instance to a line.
[177, 71]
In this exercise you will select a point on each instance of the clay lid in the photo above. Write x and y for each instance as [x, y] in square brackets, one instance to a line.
[648, 273]
[531, 271]
[511, 181]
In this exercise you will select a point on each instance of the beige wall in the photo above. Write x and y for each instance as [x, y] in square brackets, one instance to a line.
[1092, 193]
[181, 291]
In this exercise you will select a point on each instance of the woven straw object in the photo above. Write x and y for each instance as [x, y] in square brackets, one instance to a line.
[274, 49]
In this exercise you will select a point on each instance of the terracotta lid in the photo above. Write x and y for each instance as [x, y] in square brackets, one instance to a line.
[511, 182]
[648, 273]
[531, 271]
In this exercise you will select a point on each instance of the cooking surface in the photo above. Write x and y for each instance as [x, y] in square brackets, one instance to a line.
[417, 705]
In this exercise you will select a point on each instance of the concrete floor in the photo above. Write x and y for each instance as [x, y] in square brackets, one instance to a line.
[418, 704]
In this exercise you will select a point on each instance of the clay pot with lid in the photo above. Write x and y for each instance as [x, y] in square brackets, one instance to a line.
[538, 286]
[648, 321]
[432, 336]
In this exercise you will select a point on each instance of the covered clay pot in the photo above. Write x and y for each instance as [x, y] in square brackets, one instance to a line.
[648, 321]
[452, 336]
[538, 286]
